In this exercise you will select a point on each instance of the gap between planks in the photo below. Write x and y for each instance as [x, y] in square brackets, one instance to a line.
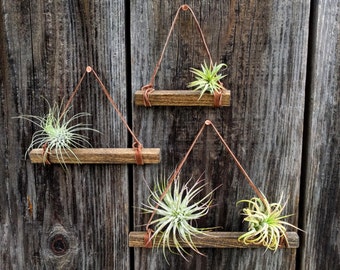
[213, 240]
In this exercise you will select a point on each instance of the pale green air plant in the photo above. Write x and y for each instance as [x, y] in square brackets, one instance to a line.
[265, 223]
[57, 133]
[175, 215]
[207, 79]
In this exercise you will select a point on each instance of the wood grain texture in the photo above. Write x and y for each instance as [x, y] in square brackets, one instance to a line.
[45, 47]
[97, 156]
[80, 218]
[320, 211]
[180, 98]
[264, 44]
[213, 240]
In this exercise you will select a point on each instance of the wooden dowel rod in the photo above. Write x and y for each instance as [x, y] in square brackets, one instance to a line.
[98, 156]
[180, 98]
[214, 240]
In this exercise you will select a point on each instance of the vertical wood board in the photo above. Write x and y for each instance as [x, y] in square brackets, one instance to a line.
[263, 126]
[80, 218]
[52, 218]
[320, 211]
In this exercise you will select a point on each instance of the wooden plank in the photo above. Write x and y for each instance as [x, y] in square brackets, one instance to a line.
[213, 240]
[180, 98]
[320, 214]
[264, 44]
[52, 219]
[97, 156]
[15, 74]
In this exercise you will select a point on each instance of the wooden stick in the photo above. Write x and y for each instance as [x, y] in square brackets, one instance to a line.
[98, 156]
[180, 98]
[214, 240]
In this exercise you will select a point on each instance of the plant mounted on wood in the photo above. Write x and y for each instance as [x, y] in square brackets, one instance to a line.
[265, 223]
[207, 80]
[176, 211]
[267, 226]
[59, 141]
[57, 132]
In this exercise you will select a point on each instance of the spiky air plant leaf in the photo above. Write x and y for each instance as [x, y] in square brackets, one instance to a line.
[176, 214]
[57, 132]
[207, 79]
[265, 223]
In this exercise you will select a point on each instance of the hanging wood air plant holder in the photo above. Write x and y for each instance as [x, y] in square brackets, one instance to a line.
[209, 239]
[135, 155]
[148, 96]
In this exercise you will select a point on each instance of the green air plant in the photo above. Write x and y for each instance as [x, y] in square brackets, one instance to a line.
[265, 223]
[207, 79]
[175, 214]
[58, 133]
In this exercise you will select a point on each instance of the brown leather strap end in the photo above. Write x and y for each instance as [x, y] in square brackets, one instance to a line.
[138, 153]
[45, 155]
[147, 90]
[217, 99]
[147, 239]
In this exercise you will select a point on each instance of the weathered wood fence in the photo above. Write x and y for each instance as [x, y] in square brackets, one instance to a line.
[283, 124]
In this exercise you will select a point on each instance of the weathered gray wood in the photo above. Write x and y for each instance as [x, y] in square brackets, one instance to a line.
[212, 240]
[264, 44]
[321, 211]
[45, 46]
[79, 219]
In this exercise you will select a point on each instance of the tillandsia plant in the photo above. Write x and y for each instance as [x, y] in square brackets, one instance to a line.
[207, 79]
[176, 213]
[57, 132]
[265, 223]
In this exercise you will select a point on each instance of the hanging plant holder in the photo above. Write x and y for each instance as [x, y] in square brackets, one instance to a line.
[218, 97]
[220, 239]
[135, 155]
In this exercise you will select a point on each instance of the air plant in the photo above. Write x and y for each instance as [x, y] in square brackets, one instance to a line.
[176, 212]
[265, 223]
[58, 133]
[207, 79]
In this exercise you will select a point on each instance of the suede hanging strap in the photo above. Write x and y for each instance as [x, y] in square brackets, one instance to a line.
[149, 88]
[137, 146]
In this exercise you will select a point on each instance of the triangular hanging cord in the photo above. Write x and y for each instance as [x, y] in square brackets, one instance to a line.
[137, 146]
[148, 235]
[149, 88]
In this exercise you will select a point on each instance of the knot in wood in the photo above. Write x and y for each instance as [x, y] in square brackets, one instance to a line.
[59, 244]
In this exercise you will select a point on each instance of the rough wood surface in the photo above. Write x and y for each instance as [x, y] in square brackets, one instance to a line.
[180, 98]
[320, 212]
[80, 219]
[98, 156]
[213, 240]
[52, 219]
[264, 44]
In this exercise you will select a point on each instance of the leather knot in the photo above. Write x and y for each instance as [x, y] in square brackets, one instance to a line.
[147, 90]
